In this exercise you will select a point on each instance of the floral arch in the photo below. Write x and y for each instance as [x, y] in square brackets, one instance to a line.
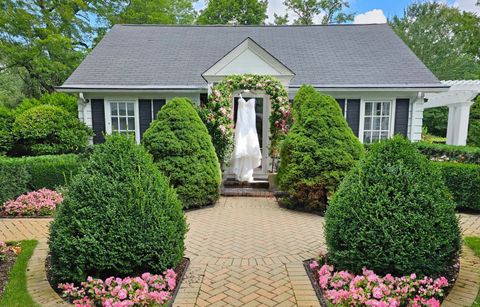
[218, 113]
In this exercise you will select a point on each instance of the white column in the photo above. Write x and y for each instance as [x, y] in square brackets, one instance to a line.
[457, 129]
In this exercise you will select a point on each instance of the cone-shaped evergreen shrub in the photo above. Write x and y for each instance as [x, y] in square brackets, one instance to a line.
[318, 151]
[183, 151]
[393, 214]
[119, 217]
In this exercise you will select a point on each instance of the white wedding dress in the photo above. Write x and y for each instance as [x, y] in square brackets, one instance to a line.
[246, 153]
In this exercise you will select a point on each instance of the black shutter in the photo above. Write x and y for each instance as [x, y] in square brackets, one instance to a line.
[353, 114]
[401, 116]
[157, 105]
[98, 120]
[145, 114]
[341, 103]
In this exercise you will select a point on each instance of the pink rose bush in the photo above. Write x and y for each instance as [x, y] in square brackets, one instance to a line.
[145, 290]
[37, 203]
[346, 289]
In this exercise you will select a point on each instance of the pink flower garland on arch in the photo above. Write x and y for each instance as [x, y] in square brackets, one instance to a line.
[220, 113]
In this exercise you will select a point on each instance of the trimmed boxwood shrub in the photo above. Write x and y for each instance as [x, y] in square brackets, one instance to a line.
[183, 151]
[393, 214]
[465, 154]
[463, 181]
[6, 123]
[48, 130]
[318, 151]
[119, 217]
[14, 179]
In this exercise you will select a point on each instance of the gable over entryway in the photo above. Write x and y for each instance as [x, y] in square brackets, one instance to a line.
[248, 58]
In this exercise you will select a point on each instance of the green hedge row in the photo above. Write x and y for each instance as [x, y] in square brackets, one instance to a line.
[463, 181]
[463, 154]
[20, 175]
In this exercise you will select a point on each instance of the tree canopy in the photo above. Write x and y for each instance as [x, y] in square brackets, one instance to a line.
[332, 11]
[43, 41]
[446, 39]
[242, 12]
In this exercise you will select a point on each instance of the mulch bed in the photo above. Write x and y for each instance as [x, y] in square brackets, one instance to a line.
[5, 267]
[452, 276]
[180, 270]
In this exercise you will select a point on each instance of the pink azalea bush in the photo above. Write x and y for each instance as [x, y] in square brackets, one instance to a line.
[37, 203]
[145, 290]
[346, 289]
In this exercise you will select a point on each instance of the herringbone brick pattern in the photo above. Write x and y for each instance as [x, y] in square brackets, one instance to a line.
[249, 252]
[470, 224]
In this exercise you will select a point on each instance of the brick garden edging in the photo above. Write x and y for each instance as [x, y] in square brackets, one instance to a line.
[467, 285]
[37, 283]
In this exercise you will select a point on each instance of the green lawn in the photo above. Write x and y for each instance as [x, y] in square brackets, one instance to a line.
[474, 243]
[16, 293]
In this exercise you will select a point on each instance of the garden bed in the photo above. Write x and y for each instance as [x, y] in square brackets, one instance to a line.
[324, 301]
[180, 270]
[5, 267]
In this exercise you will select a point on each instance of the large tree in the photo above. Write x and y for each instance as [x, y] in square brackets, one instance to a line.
[331, 11]
[156, 12]
[447, 40]
[43, 41]
[242, 12]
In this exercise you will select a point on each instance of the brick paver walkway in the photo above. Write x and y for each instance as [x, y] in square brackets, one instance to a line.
[249, 251]
[243, 251]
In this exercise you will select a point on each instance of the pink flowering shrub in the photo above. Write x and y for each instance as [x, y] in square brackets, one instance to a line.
[37, 203]
[346, 289]
[145, 290]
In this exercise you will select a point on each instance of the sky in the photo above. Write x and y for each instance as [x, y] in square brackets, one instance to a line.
[368, 11]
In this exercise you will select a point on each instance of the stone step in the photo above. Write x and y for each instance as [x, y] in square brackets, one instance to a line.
[257, 184]
[246, 192]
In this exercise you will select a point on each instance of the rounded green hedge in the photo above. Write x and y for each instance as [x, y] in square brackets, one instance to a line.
[48, 130]
[183, 151]
[119, 217]
[393, 214]
[318, 151]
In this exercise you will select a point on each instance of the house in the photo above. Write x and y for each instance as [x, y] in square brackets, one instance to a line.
[377, 80]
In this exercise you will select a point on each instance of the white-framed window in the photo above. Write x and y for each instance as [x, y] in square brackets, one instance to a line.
[377, 121]
[121, 116]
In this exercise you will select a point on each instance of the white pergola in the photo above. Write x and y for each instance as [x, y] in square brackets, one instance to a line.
[459, 98]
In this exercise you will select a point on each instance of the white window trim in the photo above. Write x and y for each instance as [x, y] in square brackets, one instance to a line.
[108, 116]
[393, 107]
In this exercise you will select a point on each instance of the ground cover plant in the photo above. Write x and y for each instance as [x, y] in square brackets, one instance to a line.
[394, 215]
[120, 217]
[43, 202]
[16, 293]
[317, 153]
[145, 290]
[183, 150]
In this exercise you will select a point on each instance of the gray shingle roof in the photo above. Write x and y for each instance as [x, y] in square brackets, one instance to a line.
[326, 56]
